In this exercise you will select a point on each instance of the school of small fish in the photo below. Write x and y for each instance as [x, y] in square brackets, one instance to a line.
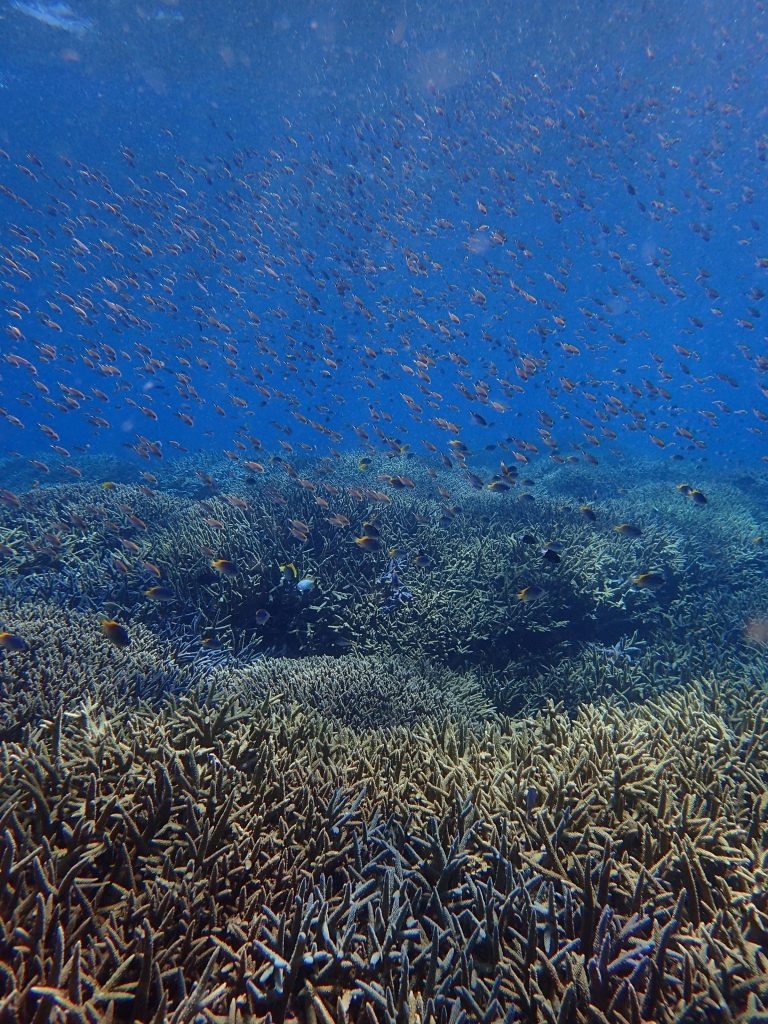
[528, 266]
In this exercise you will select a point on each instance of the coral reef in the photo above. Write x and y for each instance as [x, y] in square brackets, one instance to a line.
[364, 692]
[440, 582]
[322, 781]
[67, 662]
[241, 862]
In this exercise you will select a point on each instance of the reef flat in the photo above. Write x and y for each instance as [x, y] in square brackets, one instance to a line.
[416, 789]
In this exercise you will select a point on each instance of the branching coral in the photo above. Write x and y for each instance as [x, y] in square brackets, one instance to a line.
[364, 692]
[67, 661]
[240, 861]
[438, 581]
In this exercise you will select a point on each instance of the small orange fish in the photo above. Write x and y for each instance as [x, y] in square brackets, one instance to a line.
[628, 530]
[648, 581]
[367, 543]
[115, 633]
[12, 642]
[337, 520]
[224, 566]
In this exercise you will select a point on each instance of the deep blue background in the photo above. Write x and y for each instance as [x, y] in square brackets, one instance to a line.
[599, 137]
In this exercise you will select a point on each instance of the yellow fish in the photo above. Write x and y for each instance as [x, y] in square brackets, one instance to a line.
[115, 633]
[224, 566]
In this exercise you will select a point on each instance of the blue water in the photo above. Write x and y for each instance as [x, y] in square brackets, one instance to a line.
[320, 188]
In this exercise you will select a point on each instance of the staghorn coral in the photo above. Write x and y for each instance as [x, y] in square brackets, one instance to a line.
[463, 610]
[629, 670]
[85, 547]
[362, 692]
[248, 862]
[68, 662]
